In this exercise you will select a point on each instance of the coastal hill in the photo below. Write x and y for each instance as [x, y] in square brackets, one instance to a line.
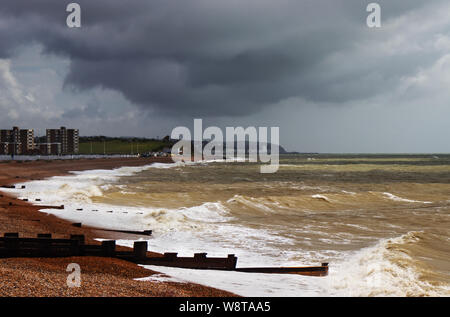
[133, 145]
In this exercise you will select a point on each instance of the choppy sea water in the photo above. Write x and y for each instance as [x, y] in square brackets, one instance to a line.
[381, 221]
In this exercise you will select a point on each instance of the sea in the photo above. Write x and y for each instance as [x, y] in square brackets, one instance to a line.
[382, 222]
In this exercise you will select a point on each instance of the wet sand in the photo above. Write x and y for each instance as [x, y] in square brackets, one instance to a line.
[100, 276]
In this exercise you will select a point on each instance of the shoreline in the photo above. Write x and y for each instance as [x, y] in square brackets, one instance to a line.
[116, 276]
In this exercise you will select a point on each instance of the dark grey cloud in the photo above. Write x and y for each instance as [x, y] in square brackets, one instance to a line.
[212, 58]
[91, 110]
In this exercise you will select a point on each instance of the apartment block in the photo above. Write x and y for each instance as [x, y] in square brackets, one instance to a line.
[17, 141]
[26, 138]
[50, 148]
[67, 138]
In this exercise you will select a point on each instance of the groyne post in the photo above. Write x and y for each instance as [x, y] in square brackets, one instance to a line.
[109, 248]
[140, 249]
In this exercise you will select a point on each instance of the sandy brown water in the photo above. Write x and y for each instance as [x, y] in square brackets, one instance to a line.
[382, 221]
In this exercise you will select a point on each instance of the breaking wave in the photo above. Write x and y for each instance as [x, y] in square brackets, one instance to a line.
[267, 223]
[185, 218]
[321, 197]
[396, 198]
[390, 268]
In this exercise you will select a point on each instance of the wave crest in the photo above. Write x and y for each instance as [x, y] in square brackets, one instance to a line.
[386, 269]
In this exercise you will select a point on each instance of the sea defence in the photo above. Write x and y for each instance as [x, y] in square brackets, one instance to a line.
[11, 245]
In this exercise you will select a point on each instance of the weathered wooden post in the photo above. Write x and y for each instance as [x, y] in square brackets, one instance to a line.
[199, 260]
[79, 237]
[170, 256]
[199, 257]
[44, 247]
[11, 235]
[140, 249]
[74, 247]
[78, 248]
[232, 261]
[12, 243]
[109, 248]
[44, 235]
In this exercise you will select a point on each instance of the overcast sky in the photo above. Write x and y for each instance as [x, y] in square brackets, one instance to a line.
[311, 67]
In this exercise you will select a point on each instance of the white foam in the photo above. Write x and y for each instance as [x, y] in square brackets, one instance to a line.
[160, 278]
[321, 197]
[381, 270]
[210, 228]
[251, 202]
[76, 192]
[202, 228]
[373, 271]
[396, 198]
[249, 284]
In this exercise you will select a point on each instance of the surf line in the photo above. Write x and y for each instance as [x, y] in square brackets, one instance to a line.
[209, 144]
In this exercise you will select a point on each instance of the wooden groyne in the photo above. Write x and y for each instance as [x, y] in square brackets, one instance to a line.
[310, 270]
[50, 207]
[140, 233]
[11, 245]
[12, 186]
[199, 261]
[42, 246]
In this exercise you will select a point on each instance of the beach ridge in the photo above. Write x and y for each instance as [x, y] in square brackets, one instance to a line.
[100, 276]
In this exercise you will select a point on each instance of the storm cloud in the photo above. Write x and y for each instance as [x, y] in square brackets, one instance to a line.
[311, 67]
[213, 58]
